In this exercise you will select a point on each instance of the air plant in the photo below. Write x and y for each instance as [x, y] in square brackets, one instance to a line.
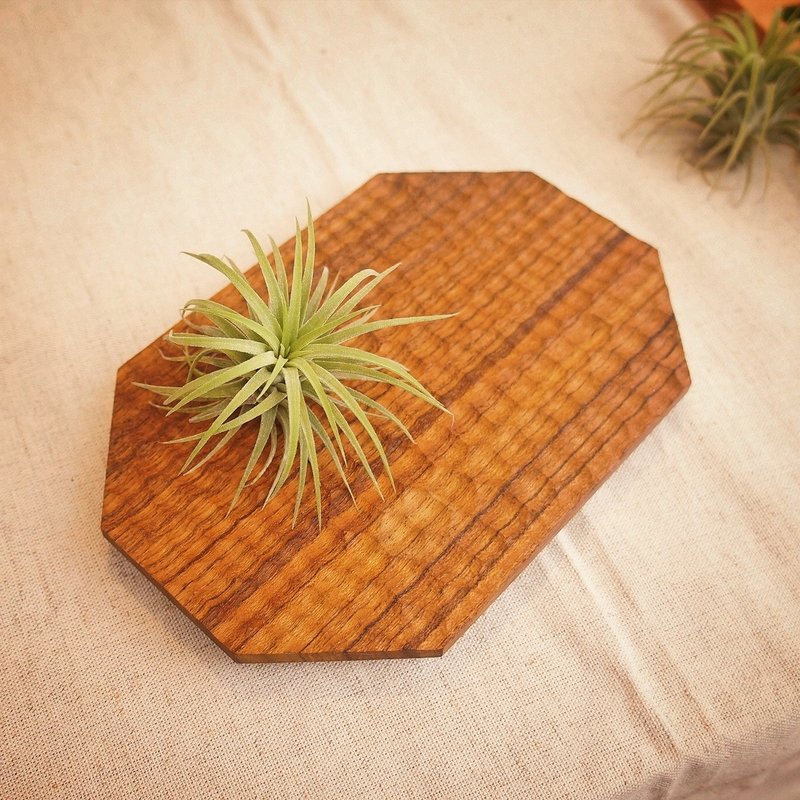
[735, 93]
[286, 366]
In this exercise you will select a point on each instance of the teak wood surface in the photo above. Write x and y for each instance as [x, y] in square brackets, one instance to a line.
[564, 355]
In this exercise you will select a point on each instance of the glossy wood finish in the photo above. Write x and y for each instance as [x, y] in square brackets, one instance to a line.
[564, 355]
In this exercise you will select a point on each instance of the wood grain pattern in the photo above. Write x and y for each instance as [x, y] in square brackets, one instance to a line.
[564, 355]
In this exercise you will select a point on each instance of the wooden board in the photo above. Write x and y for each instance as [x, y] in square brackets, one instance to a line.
[564, 355]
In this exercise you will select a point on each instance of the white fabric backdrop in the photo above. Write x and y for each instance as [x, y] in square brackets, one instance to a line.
[651, 651]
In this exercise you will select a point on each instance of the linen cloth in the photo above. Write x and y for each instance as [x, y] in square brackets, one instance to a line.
[651, 651]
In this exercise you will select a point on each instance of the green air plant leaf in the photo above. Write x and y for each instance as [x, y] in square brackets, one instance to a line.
[285, 367]
[735, 92]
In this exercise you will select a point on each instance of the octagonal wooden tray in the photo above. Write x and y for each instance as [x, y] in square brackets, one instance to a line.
[564, 355]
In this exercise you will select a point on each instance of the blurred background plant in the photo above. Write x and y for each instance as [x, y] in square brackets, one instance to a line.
[734, 91]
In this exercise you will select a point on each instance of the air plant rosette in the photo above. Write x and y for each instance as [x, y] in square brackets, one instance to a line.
[287, 367]
[732, 91]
